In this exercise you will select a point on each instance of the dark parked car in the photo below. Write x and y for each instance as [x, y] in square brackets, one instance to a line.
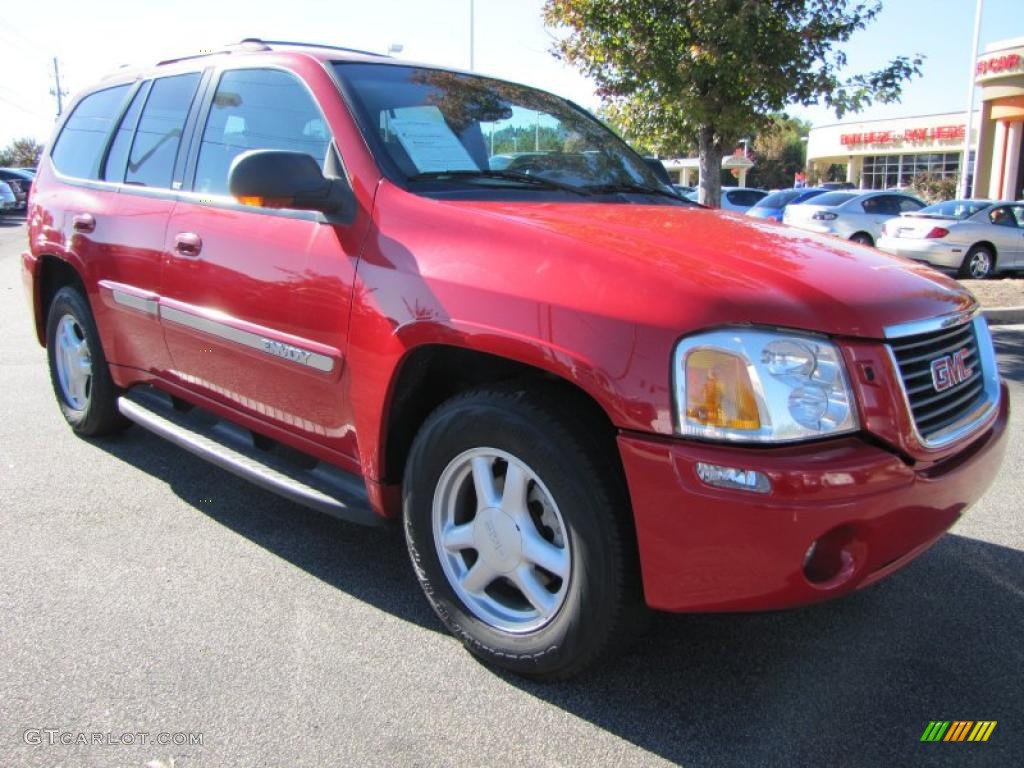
[774, 205]
[20, 183]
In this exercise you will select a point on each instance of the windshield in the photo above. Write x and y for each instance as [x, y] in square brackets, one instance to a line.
[439, 127]
[954, 209]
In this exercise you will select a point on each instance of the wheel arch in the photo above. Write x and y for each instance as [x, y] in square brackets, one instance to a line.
[432, 373]
[51, 274]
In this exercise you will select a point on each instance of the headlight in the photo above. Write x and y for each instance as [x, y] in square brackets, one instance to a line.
[761, 386]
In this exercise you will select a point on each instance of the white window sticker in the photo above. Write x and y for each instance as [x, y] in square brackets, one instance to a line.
[429, 142]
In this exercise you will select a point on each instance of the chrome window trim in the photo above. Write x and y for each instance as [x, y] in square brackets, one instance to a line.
[979, 417]
[262, 343]
[917, 327]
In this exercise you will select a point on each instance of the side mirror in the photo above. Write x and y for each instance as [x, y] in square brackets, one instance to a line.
[273, 178]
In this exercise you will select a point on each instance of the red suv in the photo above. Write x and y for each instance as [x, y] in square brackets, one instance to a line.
[398, 292]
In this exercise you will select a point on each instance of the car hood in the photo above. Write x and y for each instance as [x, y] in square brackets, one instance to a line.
[693, 267]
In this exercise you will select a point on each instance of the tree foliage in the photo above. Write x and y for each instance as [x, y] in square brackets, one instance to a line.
[710, 71]
[778, 152]
[21, 153]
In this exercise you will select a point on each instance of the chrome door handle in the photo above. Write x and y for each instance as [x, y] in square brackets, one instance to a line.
[84, 222]
[188, 244]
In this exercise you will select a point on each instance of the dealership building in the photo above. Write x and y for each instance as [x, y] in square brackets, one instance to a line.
[882, 154]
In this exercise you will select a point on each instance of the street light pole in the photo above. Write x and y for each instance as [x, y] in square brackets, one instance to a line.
[965, 189]
[472, 33]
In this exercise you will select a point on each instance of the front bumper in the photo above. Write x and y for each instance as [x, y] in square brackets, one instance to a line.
[709, 549]
[931, 251]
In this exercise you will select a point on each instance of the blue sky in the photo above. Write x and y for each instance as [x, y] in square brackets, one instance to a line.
[94, 37]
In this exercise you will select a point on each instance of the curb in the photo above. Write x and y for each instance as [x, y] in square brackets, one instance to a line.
[1004, 315]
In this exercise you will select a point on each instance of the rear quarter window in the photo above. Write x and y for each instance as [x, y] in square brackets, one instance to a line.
[79, 148]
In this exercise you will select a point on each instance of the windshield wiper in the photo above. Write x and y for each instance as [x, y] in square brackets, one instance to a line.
[538, 181]
[604, 189]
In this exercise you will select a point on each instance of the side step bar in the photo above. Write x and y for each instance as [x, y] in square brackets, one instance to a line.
[318, 486]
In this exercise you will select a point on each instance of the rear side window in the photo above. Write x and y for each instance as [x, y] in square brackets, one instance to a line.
[883, 205]
[744, 196]
[908, 205]
[151, 160]
[80, 145]
[117, 158]
[257, 109]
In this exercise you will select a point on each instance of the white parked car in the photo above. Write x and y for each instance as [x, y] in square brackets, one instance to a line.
[850, 214]
[737, 199]
[8, 202]
[975, 237]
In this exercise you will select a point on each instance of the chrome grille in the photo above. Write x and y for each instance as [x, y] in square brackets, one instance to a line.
[934, 411]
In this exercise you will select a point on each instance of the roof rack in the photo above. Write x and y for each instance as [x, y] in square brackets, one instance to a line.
[250, 44]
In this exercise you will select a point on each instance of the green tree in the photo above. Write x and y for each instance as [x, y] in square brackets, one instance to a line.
[21, 153]
[778, 152]
[715, 70]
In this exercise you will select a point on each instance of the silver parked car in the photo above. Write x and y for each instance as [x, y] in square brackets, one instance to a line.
[851, 215]
[975, 237]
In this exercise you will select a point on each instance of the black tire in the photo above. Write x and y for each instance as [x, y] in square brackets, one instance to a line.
[978, 264]
[96, 414]
[863, 238]
[602, 604]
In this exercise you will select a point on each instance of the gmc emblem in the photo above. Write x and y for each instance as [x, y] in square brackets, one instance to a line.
[950, 370]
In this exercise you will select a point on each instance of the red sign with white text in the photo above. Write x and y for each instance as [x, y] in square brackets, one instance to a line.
[938, 133]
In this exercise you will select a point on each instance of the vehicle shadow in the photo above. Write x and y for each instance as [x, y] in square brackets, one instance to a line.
[11, 220]
[851, 682]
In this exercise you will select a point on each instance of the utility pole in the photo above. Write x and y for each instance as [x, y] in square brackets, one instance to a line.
[56, 90]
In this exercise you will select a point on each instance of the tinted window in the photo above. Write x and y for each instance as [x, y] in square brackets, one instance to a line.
[257, 109]
[151, 162]
[883, 205]
[744, 196]
[833, 199]
[81, 143]
[1002, 217]
[117, 158]
[906, 205]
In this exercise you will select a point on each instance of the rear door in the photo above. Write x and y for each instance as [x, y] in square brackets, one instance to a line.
[140, 164]
[255, 301]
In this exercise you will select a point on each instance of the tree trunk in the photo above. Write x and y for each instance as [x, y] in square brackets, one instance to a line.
[710, 191]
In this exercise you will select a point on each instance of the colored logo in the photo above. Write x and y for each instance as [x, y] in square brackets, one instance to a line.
[958, 730]
[950, 370]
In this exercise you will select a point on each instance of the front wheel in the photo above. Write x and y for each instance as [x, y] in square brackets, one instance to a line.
[978, 264]
[78, 370]
[519, 533]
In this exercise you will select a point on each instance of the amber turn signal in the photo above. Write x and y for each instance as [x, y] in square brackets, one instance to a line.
[719, 392]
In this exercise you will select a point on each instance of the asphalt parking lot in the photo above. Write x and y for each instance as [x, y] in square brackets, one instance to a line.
[144, 592]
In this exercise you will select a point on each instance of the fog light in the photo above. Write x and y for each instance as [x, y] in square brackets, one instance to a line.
[733, 477]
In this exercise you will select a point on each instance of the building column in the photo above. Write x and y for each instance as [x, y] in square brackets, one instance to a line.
[995, 182]
[851, 169]
[1011, 162]
[984, 148]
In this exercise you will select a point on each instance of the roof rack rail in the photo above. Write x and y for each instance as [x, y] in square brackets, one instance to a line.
[257, 44]
[297, 44]
[249, 44]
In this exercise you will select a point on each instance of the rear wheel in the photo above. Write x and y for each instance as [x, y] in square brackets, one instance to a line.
[863, 238]
[979, 263]
[519, 533]
[78, 370]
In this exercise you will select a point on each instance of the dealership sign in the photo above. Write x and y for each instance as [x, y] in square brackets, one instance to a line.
[1000, 65]
[936, 133]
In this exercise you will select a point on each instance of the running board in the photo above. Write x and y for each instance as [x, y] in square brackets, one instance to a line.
[278, 469]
